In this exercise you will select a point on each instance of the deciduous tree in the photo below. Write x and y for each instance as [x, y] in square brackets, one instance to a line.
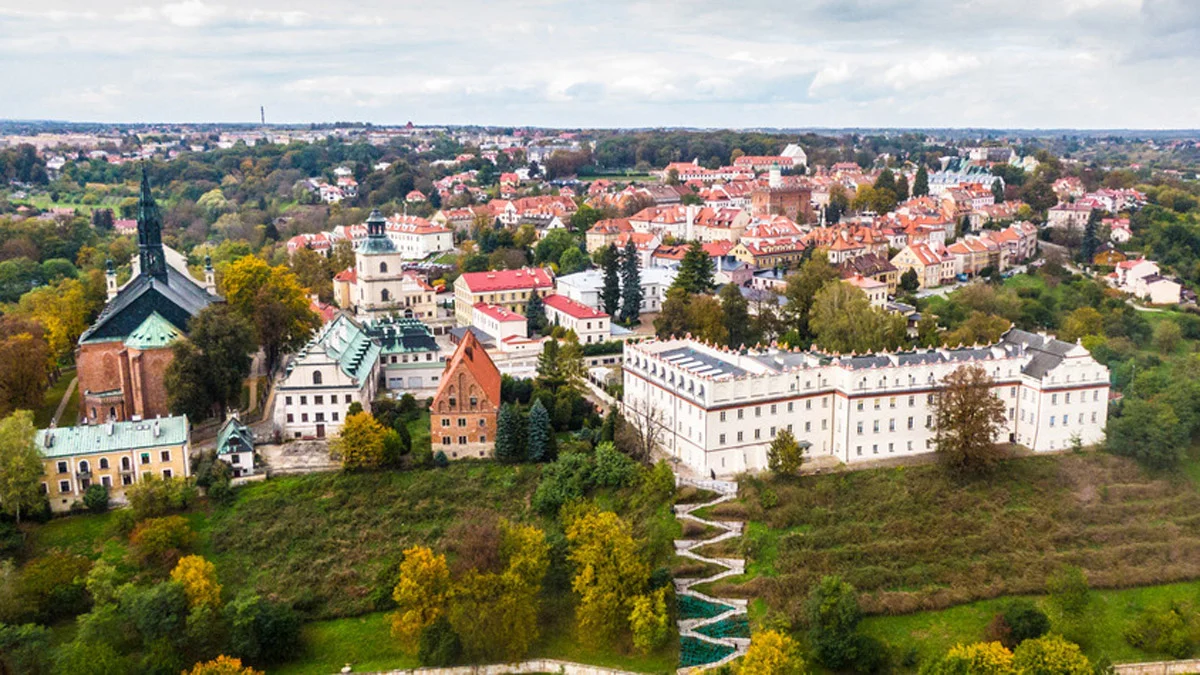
[980, 658]
[968, 416]
[672, 320]
[20, 465]
[199, 579]
[843, 321]
[736, 316]
[27, 364]
[650, 621]
[223, 665]
[1050, 655]
[273, 300]
[833, 616]
[801, 288]
[609, 574]
[420, 594]
[785, 455]
[209, 367]
[772, 652]
[360, 444]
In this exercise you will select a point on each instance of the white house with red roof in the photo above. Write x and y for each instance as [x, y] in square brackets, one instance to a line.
[876, 291]
[591, 325]
[498, 322]
[415, 197]
[1119, 230]
[1071, 216]
[508, 289]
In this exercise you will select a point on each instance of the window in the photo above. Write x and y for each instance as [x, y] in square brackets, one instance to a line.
[106, 481]
[462, 421]
[483, 439]
[64, 486]
[772, 408]
[145, 458]
[446, 440]
[912, 400]
[808, 404]
[824, 403]
[860, 428]
[318, 400]
[721, 439]
[334, 416]
[125, 460]
[165, 455]
[462, 440]
[1066, 420]
[910, 423]
[929, 421]
[910, 446]
[319, 417]
[758, 411]
[1052, 420]
[891, 447]
[858, 450]
[166, 473]
[757, 434]
[62, 467]
[874, 448]
[860, 406]
[808, 426]
[824, 425]
[347, 398]
[1093, 417]
[316, 377]
[929, 399]
[103, 462]
[1096, 395]
[303, 417]
[741, 413]
[739, 437]
[474, 402]
[1012, 392]
[892, 424]
[290, 418]
[1068, 397]
[791, 406]
[772, 432]
[1053, 399]
[892, 402]
[126, 479]
[287, 400]
[383, 270]
[722, 415]
[875, 426]
[877, 403]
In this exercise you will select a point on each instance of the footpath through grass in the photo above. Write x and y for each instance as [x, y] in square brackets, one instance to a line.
[50, 400]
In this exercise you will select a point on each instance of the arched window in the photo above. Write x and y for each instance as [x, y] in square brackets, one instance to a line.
[84, 467]
[103, 462]
[124, 463]
[317, 377]
[383, 268]
[112, 413]
[385, 295]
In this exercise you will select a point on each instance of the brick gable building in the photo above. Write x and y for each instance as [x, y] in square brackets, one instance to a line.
[462, 420]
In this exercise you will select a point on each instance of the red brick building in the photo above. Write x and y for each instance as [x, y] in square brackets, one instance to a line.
[793, 201]
[463, 415]
[122, 357]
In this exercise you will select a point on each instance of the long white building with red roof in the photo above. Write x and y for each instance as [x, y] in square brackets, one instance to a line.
[591, 325]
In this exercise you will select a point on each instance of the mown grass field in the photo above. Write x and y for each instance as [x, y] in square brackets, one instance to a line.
[913, 539]
[50, 400]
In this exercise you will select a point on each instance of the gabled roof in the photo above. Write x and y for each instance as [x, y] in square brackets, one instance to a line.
[507, 280]
[471, 355]
[176, 298]
[572, 308]
[234, 437]
[498, 313]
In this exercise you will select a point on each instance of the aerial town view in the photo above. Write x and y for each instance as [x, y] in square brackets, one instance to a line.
[600, 338]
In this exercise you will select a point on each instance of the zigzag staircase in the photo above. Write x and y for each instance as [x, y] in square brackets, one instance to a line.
[712, 631]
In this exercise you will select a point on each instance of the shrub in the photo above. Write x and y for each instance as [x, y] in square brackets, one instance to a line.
[162, 540]
[95, 498]
[1025, 622]
[159, 612]
[439, 645]
[1050, 655]
[768, 499]
[440, 460]
[563, 480]
[262, 632]
[52, 587]
[152, 496]
[833, 616]
[1173, 630]
[613, 468]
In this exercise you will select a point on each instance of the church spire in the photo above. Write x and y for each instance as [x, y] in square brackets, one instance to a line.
[150, 250]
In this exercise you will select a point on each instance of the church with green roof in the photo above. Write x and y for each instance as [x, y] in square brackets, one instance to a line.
[122, 357]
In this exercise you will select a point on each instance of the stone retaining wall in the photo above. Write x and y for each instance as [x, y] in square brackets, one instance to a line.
[1159, 668]
[533, 666]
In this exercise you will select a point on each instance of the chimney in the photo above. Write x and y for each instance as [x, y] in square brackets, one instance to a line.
[774, 178]
[156, 428]
[112, 426]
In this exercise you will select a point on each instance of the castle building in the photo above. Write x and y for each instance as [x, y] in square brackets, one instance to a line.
[122, 357]
[462, 421]
[718, 410]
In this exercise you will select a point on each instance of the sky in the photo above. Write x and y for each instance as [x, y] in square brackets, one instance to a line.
[614, 63]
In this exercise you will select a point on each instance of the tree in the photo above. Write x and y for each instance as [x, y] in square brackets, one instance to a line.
[420, 594]
[696, 270]
[736, 315]
[312, 270]
[1050, 655]
[998, 191]
[24, 648]
[1081, 323]
[549, 373]
[909, 281]
[535, 314]
[650, 621]
[27, 364]
[610, 261]
[640, 433]
[509, 448]
[572, 260]
[672, 319]
[95, 498]
[785, 455]
[360, 444]
[842, 320]
[1149, 431]
[800, 290]
[570, 360]
[62, 310]
[1069, 592]
[439, 645]
[981, 658]
[920, 186]
[161, 540]
[261, 631]
[1167, 335]
[273, 300]
[902, 190]
[159, 612]
[631, 285]
[20, 465]
[706, 320]
[833, 616]
[541, 437]
[968, 416]
[209, 367]
[199, 580]
[772, 652]
[1024, 621]
[609, 574]
[1091, 238]
[886, 181]
[223, 665]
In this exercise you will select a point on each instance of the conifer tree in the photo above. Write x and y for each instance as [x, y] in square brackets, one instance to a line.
[1091, 241]
[631, 285]
[535, 314]
[696, 270]
[920, 186]
[541, 438]
[548, 368]
[508, 429]
[610, 260]
[998, 191]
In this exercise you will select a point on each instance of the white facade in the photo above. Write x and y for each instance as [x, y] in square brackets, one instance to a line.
[335, 369]
[585, 287]
[591, 325]
[719, 410]
[500, 324]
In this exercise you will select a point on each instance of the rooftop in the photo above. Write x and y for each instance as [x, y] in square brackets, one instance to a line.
[112, 437]
[498, 313]
[507, 280]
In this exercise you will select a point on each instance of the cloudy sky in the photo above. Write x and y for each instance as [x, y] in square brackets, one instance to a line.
[712, 63]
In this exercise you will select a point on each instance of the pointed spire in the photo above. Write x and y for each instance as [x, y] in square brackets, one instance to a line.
[150, 251]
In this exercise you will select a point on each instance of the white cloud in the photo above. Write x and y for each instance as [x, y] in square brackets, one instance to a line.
[936, 66]
[193, 13]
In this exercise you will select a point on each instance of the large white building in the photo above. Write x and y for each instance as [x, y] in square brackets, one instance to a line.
[336, 368]
[719, 409]
[586, 287]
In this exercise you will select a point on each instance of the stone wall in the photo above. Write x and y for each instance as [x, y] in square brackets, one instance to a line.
[1159, 668]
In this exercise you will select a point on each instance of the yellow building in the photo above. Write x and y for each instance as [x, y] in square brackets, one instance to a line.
[115, 455]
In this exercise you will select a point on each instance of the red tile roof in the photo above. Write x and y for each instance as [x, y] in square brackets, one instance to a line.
[349, 274]
[573, 308]
[508, 280]
[472, 357]
[498, 313]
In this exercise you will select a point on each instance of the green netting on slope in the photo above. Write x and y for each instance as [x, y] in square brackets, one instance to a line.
[694, 652]
[691, 607]
[732, 627]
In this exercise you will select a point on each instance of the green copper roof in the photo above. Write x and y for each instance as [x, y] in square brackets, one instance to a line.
[113, 437]
[153, 333]
[399, 335]
[372, 245]
[234, 437]
[345, 342]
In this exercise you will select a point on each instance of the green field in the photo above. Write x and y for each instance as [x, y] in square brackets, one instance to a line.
[50, 400]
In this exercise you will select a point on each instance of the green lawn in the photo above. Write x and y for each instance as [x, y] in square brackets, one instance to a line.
[933, 633]
[45, 413]
[82, 534]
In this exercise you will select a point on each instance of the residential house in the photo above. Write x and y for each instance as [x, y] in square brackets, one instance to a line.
[590, 324]
[463, 415]
[235, 446]
[926, 262]
[876, 291]
[1070, 216]
[586, 287]
[872, 266]
[410, 360]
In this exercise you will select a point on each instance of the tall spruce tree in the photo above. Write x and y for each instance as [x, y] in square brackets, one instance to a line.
[541, 437]
[736, 315]
[696, 270]
[508, 430]
[920, 186]
[535, 314]
[901, 187]
[998, 191]
[1091, 240]
[631, 285]
[549, 373]
[610, 260]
